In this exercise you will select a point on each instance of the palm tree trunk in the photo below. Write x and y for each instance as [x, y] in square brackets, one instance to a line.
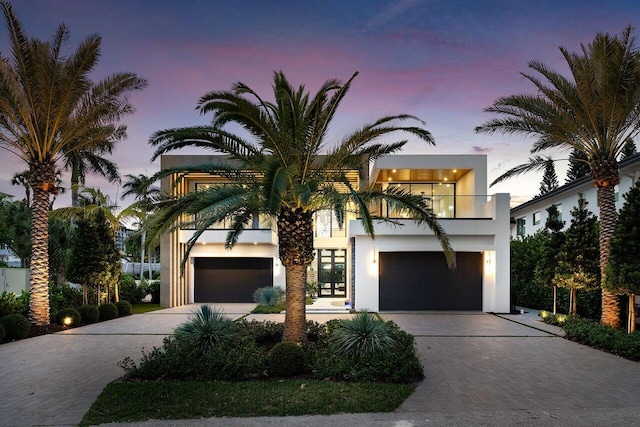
[295, 319]
[295, 242]
[608, 216]
[42, 182]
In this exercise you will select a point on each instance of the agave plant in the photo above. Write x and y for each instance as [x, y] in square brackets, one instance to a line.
[207, 328]
[362, 335]
[268, 295]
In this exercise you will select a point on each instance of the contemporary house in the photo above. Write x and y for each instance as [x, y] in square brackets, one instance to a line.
[401, 268]
[531, 216]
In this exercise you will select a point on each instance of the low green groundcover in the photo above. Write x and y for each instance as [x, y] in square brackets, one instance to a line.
[139, 401]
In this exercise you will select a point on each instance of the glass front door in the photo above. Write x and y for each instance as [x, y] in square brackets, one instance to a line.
[332, 273]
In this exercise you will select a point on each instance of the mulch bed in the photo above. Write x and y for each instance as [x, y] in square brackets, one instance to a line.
[52, 328]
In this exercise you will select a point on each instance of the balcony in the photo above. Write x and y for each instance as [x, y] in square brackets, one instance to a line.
[448, 207]
[261, 232]
[459, 215]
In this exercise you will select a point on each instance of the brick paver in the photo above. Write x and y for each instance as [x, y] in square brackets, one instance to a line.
[479, 367]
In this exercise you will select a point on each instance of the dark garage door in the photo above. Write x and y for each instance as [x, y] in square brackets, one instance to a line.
[230, 279]
[422, 281]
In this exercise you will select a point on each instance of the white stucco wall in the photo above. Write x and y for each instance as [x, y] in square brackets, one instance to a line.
[488, 236]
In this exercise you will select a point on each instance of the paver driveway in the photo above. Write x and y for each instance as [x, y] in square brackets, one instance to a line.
[480, 369]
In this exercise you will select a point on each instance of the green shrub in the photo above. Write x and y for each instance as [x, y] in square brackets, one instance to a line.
[124, 308]
[75, 316]
[63, 295]
[269, 309]
[16, 326]
[268, 295]
[153, 288]
[108, 311]
[239, 361]
[287, 359]
[88, 313]
[12, 304]
[2, 333]
[207, 328]
[362, 335]
[312, 289]
[616, 341]
[129, 290]
[397, 364]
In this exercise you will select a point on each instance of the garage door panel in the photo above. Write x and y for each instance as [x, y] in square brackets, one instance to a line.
[423, 281]
[230, 280]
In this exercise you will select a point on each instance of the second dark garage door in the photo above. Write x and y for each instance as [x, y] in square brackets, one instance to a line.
[230, 279]
[422, 281]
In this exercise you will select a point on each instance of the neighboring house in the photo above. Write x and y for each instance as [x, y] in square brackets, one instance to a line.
[121, 235]
[402, 268]
[9, 257]
[531, 216]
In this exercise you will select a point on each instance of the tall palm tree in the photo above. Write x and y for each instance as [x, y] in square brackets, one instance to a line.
[49, 108]
[593, 113]
[287, 170]
[138, 186]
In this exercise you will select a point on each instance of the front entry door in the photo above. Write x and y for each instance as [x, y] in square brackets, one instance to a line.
[332, 273]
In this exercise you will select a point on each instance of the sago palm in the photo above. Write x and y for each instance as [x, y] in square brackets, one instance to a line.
[286, 170]
[49, 108]
[594, 112]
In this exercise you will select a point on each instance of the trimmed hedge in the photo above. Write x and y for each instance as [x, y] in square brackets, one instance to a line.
[108, 311]
[287, 359]
[2, 333]
[88, 313]
[16, 326]
[124, 308]
[76, 318]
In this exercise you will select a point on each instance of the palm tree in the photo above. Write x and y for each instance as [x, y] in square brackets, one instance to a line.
[50, 108]
[138, 186]
[81, 161]
[593, 113]
[286, 171]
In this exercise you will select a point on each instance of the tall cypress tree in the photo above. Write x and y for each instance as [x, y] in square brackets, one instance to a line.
[623, 270]
[549, 179]
[548, 262]
[578, 266]
[578, 166]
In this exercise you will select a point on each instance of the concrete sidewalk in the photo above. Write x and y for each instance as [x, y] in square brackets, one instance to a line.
[481, 369]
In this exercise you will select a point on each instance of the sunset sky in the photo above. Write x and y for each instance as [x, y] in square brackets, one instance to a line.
[443, 61]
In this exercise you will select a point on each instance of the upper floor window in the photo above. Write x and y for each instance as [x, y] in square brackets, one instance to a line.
[617, 192]
[520, 226]
[325, 224]
[440, 197]
[536, 218]
[559, 207]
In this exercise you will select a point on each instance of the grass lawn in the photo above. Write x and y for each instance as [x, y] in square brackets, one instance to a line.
[144, 308]
[140, 401]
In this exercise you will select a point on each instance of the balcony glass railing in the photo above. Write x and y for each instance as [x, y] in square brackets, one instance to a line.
[446, 207]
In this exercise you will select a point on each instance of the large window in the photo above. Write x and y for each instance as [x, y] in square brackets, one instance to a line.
[326, 224]
[536, 218]
[440, 197]
[520, 226]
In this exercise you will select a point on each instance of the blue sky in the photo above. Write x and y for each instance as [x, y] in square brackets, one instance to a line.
[443, 61]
